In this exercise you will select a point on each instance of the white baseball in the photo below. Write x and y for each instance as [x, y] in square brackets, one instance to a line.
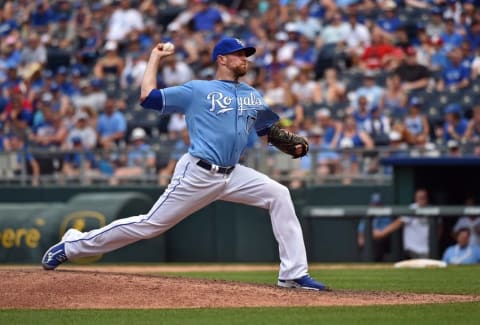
[169, 47]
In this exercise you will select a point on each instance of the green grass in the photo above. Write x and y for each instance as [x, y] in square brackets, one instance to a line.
[454, 280]
[466, 313]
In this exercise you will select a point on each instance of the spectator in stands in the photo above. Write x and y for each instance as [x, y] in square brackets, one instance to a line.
[389, 21]
[377, 125]
[285, 48]
[51, 133]
[358, 39]
[402, 40]
[453, 10]
[456, 75]
[349, 138]
[278, 94]
[8, 24]
[41, 105]
[314, 164]
[203, 67]
[185, 44]
[111, 65]
[17, 114]
[394, 98]
[473, 36]
[306, 24]
[453, 148]
[379, 54]
[370, 89]
[422, 46]
[34, 51]
[305, 89]
[413, 76]
[455, 125]
[205, 16]
[11, 55]
[472, 134]
[335, 32]
[450, 37]
[24, 159]
[41, 16]
[63, 33]
[469, 10]
[462, 252]
[181, 147]
[467, 55]
[59, 101]
[79, 162]
[124, 19]
[361, 112]
[111, 126]
[138, 161]
[415, 229]
[328, 158]
[332, 90]
[62, 80]
[12, 82]
[175, 71]
[416, 124]
[304, 55]
[470, 222]
[133, 72]
[329, 126]
[438, 58]
[475, 67]
[89, 43]
[82, 131]
[381, 246]
[91, 95]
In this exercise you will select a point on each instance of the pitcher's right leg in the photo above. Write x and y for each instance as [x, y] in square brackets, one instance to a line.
[184, 195]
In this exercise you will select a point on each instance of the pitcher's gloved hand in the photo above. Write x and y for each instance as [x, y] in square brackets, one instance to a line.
[288, 142]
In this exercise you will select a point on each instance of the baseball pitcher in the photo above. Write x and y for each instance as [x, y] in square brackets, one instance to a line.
[220, 114]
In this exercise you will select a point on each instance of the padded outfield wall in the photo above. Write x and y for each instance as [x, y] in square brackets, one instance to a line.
[31, 219]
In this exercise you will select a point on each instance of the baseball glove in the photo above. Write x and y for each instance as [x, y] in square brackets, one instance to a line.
[287, 142]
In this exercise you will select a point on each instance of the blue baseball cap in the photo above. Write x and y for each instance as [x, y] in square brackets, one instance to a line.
[230, 45]
[54, 86]
[415, 101]
[436, 11]
[453, 108]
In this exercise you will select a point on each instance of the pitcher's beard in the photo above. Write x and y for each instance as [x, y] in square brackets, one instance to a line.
[239, 71]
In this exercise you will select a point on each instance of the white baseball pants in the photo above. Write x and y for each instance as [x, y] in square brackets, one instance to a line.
[191, 189]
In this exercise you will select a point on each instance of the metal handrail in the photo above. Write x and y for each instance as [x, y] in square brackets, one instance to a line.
[267, 160]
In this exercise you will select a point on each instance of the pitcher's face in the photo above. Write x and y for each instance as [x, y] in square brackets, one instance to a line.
[237, 63]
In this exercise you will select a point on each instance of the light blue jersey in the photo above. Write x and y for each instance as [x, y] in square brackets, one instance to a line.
[219, 114]
[455, 254]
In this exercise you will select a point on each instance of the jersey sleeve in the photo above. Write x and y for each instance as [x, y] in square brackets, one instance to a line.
[169, 100]
[265, 118]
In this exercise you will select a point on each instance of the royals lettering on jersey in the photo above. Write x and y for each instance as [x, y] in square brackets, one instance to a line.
[222, 103]
[219, 115]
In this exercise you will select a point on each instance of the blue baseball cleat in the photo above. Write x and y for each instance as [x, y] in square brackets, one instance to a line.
[54, 256]
[305, 282]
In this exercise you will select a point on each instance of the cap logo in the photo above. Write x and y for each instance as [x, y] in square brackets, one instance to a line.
[239, 42]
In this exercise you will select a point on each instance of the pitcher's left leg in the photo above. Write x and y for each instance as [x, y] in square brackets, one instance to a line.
[251, 187]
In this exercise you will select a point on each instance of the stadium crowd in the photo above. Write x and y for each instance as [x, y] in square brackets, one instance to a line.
[360, 79]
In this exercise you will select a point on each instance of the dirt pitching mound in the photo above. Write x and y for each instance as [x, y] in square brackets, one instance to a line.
[70, 289]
